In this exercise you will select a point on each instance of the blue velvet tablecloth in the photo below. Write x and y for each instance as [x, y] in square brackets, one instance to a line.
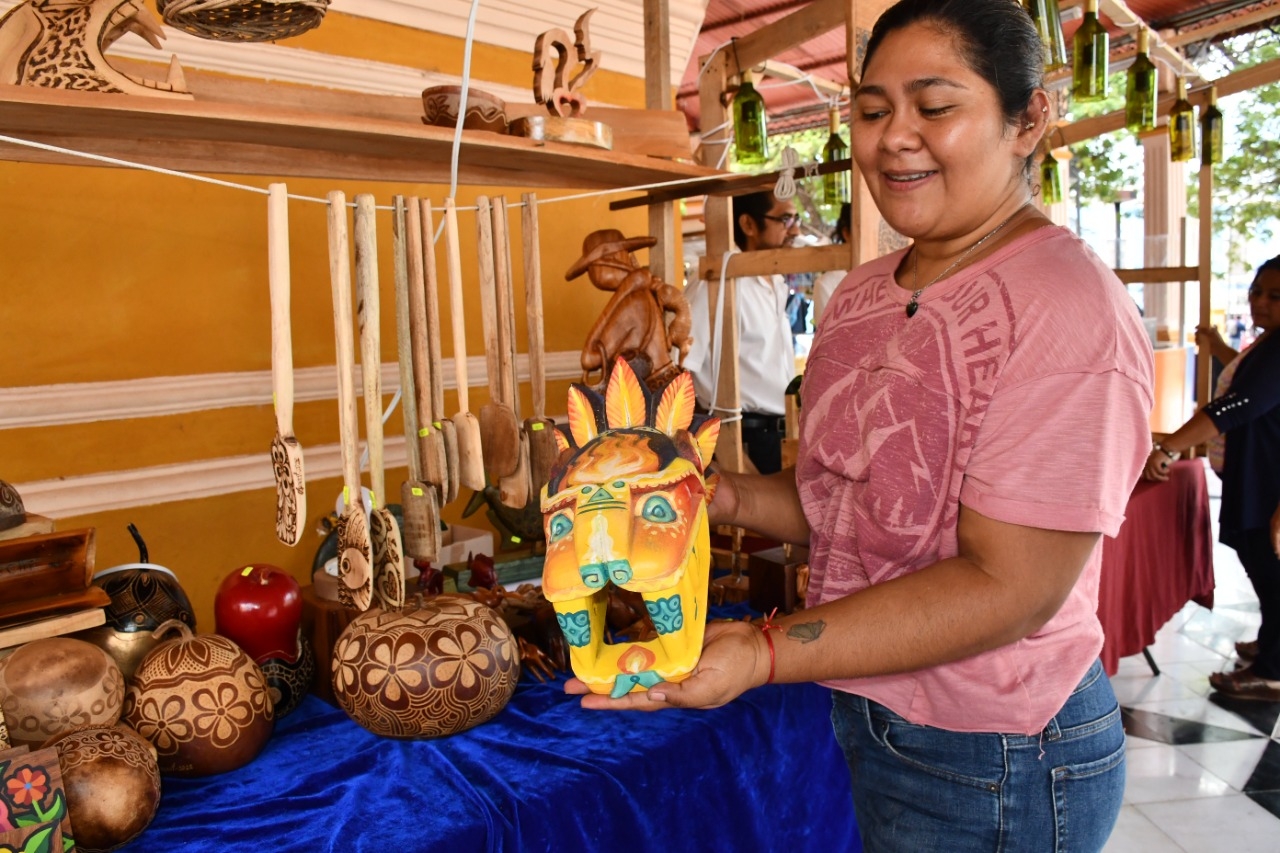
[763, 773]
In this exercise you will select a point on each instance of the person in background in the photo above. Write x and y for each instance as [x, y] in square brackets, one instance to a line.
[827, 282]
[975, 416]
[767, 358]
[1245, 413]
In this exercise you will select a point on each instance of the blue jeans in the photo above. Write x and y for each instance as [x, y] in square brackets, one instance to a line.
[918, 788]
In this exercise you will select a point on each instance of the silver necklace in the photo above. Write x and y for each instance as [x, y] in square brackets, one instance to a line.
[914, 305]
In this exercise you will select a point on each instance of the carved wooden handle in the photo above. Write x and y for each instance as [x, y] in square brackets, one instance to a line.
[409, 387]
[281, 327]
[369, 313]
[488, 299]
[433, 312]
[454, 255]
[533, 303]
[507, 381]
[340, 281]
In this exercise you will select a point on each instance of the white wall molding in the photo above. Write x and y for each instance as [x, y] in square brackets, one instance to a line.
[87, 402]
[617, 29]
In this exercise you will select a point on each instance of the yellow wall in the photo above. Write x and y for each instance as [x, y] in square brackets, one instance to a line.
[109, 274]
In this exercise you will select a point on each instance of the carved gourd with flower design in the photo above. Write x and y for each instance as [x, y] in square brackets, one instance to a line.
[202, 702]
[626, 505]
[427, 669]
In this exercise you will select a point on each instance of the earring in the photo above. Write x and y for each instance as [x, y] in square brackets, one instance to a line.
[1029, 125]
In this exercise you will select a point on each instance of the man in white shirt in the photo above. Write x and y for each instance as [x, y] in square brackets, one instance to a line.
[766, 355]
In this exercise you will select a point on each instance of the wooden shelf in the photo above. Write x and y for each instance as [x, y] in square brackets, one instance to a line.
[235, 138]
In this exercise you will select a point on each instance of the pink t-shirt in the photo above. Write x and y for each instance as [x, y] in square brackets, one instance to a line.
[1022, 389]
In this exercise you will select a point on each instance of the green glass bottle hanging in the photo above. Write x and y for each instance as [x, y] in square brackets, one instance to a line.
[1182, 122]
[835, 185]
[1141, 94]
[1049, 24]
[750, 130]
[1050, 180]
[1090, 54]
[1211, 123]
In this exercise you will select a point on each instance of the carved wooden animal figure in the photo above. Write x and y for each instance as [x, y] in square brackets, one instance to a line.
[633, 325]
[561, 98]
[60, 44]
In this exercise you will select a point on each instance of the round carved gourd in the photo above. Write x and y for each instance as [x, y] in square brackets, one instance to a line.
[202, 702]
[112, 784]
[143, 597]
[425, 670]
[57, 684]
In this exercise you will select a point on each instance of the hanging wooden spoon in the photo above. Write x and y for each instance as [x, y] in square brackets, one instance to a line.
[384, 531]
[286, 452]
[355, 551]
[435, 459]
[448, 431]
[419, 498]
[499, 430]
[513, 488]
[539, 429]
[470, 451]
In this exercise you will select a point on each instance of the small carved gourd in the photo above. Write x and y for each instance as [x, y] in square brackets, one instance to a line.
[425, 670]
[201, 701]
[53, 685]
[112, 783]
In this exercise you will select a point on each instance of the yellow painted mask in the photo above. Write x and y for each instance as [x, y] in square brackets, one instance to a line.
[627, 505]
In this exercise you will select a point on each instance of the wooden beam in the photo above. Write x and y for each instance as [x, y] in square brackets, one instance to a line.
[783, 71]
[1204, 381]
[726, 186]
[1239, 81]
[778, 262]
[1157, 275]
[1224, 24]
[1125, 17]
[797, 28]
[657, 96]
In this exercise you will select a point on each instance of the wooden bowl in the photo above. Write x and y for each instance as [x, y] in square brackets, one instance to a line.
[484, 111]
[202, 702]
[54, 685]
[112, 784]
[456, 665]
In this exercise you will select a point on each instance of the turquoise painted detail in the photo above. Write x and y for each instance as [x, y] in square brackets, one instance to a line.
[619, 571]
[576, 627]
[559, 527]
[658, 509]
[623, 684]
[593, 575]
[666, 614]
[602, 494]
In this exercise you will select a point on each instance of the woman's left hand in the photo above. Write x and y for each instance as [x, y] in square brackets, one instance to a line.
[734, 659]
[1157, 467]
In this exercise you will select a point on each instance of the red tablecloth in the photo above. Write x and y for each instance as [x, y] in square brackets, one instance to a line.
[1161, 559]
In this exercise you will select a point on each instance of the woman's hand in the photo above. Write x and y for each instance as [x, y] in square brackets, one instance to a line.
[1275, 531]
[735, 658]
[1157, 467]
[1209, 336]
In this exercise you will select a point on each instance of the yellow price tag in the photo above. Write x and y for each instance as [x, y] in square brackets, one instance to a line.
[246, 571]
[537, 427]
[346, 495]
[424, 432]
[417, 493]
[516, 539]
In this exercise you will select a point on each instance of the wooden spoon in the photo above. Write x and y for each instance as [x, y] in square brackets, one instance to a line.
[286, 452]
[419, 499]
[355, 550]
[448, 431]
[384, 531]
[539, 429]
[513, 488]
[499, 430]
[435, 459]
[470, 451]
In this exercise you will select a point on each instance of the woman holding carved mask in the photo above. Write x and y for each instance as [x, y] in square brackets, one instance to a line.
[975, 416]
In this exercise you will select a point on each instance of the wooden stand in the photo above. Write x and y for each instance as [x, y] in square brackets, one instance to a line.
[323, 621]
[774, 575]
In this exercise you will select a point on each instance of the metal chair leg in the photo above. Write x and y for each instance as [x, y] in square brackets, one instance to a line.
[1151, 662]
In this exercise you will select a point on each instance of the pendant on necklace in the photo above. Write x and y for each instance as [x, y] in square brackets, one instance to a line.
[913, 306]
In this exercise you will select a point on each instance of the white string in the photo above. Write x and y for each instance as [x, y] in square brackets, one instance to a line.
[785, 188]
[717, 339]
[462, 99]
[711, 56]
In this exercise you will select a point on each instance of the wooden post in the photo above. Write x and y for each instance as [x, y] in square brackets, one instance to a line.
[718, 216]
[1203, 360]
[657, 96]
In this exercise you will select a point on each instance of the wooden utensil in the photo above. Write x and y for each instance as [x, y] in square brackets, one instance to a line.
[448, 431]
[470, 452]
[435, 460]
[419, 499]
[384, 531]
[539, 428]
[499, 430]
[513, 489]
[355, 550]
[286, 452]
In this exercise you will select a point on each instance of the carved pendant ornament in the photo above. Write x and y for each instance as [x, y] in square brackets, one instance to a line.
[60, 44]
[551, 67]
[626, 505]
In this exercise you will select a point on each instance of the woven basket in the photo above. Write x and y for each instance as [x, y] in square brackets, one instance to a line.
[243, 20]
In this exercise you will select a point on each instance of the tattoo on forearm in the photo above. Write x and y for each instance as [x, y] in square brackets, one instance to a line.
[807, 632]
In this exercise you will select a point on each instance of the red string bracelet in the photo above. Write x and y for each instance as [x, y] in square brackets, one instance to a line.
[765, 628]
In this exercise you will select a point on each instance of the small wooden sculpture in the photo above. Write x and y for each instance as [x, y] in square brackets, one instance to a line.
[633, 325]
[559, 96]
[60, 44]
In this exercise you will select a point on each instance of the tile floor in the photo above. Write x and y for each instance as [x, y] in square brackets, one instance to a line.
[1203, 771]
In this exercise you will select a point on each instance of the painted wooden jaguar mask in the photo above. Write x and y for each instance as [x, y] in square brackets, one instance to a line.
[627, 504]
